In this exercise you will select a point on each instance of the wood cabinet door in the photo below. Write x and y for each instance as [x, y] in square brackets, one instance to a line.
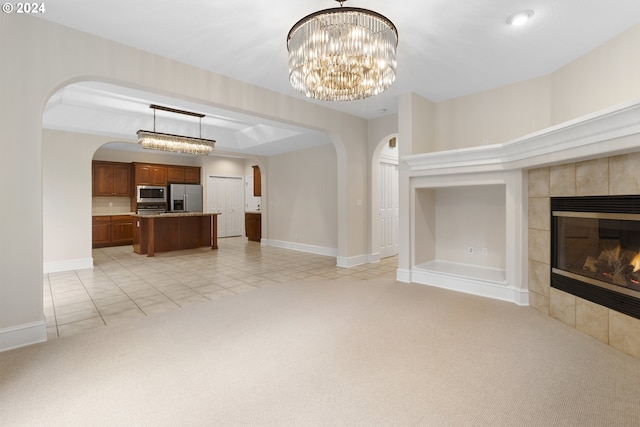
[175, 175]
[122, 180]
[253, 226]
[183, 174]
[102, 179]
[192, 175]
[158, 175]
[121, 231]
[257, 182]
[100, 235]
[142, 175]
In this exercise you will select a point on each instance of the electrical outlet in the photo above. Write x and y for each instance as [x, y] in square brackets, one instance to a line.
[470, 250]
[485, 251]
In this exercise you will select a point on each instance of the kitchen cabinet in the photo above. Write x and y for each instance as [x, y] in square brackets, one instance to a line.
[150, 174]
[111, 179]
[183, 174]
[192, 175]
[158, 174]
[112, 230]
[100, 226]
[174, 231]
[257, 181]
[121, 232]
[253, 226]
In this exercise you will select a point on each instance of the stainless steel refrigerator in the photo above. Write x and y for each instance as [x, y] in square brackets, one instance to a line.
[185, 198]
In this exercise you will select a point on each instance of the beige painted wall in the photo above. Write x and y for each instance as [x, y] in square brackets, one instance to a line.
[66, 195]
[222, 166]
[492, 117]
[605, 76]
[302, 188]
[471, 216]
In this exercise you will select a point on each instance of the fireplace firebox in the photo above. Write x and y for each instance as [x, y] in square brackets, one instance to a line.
[595, 250]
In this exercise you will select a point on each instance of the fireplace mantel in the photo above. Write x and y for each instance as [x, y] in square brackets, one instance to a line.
[605, 133]
[584, 138]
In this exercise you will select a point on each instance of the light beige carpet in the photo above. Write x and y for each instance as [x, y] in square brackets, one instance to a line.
[353, 353]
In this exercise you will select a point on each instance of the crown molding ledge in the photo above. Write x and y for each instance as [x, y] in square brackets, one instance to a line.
[585, 138]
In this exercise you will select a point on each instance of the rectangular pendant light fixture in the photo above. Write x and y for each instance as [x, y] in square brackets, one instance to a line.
[177, 143]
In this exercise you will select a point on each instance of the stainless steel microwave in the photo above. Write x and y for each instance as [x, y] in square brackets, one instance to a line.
[151, 194]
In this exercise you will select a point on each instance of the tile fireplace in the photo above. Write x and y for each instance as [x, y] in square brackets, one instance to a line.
[595, 250]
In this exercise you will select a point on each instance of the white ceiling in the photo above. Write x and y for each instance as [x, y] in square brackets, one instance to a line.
[447, 48]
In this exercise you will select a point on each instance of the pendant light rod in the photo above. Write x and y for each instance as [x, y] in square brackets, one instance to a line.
[174, 110]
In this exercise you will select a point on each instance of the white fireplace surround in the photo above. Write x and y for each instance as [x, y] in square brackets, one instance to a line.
[605, 133]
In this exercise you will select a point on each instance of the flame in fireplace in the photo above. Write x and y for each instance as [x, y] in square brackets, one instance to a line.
[635, 262]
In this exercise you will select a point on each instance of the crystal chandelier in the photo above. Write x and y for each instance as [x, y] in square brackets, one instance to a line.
[342, 54]
[167, 142]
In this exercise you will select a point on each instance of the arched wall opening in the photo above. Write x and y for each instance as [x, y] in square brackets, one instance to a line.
[68, 203]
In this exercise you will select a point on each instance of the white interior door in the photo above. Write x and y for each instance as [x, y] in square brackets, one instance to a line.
[235, 207]
[389, 215]
[225, 195]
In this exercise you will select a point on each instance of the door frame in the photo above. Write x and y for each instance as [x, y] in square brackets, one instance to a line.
[374, 194]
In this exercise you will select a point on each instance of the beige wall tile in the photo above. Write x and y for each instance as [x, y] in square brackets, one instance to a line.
[539, 278]
[614, 175]
[624, 174]
[539, 245]
[592, 177]
[539, 182]
[592, 319]
[539, 217]
[539, 302]
[624, 333]
[562, 306]
[562, 180]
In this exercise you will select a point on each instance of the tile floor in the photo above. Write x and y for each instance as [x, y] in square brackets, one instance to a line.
[124, 286]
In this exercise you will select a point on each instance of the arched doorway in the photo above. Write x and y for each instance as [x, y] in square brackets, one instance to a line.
[384, 196]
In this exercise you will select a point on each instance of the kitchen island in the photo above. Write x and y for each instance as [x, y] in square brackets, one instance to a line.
[171, 231]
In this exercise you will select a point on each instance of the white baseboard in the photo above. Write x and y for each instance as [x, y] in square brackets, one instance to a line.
[403, 275]
[300, 247]
[348, 262]
[373, 258]
[23, 335]
[471, 285]
[67, 265]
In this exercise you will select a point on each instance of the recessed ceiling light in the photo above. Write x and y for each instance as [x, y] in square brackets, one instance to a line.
[520, 17]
